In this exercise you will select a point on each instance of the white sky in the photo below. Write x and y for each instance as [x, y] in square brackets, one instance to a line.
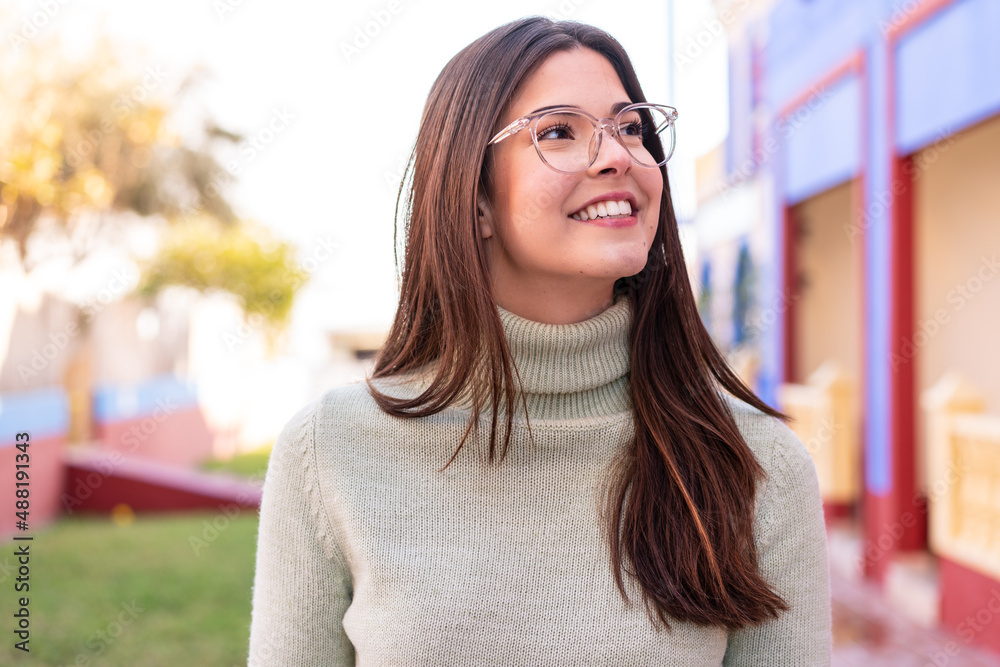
[325, 175]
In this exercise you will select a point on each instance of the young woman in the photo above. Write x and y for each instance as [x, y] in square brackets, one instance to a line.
[551, 463]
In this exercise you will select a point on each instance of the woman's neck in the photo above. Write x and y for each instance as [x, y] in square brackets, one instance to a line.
[554, 303]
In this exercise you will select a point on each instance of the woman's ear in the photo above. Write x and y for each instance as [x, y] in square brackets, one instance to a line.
[485, 217]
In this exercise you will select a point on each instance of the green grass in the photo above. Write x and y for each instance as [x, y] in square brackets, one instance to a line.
[252, 464]
[86, 574]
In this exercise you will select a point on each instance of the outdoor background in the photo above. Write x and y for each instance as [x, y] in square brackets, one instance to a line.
[196, 240]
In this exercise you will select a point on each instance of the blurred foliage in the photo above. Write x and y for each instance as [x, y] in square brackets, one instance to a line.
[705, 296]
[244, 260]
[94, 136]
[743, 296]
[84, 140]
[252, 464]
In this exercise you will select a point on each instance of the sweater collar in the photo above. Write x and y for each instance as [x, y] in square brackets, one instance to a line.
[568, 371]
[571, 371]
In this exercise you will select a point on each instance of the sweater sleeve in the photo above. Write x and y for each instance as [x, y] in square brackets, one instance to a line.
[793, 559]
[302, 585]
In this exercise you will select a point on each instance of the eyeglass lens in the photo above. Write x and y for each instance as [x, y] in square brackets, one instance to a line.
[567, 140]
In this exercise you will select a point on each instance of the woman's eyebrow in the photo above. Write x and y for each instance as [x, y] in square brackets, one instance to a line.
[552, 106]
[615, 108]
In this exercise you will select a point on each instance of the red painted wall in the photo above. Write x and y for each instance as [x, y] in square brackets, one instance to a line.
[970, 606]
[46, 477]
[98, 481]
[181, 437]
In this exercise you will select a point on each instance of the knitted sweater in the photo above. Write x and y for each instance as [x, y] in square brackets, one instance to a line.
[368, 555]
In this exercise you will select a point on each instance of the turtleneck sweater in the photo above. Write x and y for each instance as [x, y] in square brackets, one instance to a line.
[370, 553]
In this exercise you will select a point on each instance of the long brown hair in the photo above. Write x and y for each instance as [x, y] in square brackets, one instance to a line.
[680, 504]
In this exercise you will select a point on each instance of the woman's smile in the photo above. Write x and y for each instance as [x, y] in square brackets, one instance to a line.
[613, 209]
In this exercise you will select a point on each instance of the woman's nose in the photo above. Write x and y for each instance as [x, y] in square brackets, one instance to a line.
[611, 153]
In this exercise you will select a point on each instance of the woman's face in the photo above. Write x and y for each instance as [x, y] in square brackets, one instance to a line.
[542, 257]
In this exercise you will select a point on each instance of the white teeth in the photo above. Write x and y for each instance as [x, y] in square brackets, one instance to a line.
[603, 209]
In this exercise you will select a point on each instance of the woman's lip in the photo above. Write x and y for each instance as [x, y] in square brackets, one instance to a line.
[626, 221]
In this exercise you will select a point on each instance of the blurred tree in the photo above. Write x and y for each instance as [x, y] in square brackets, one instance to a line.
[245, 260]
[743, 296]
[705, 296]
[81, 141]
[84, 141]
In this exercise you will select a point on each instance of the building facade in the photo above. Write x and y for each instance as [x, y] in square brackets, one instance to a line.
[861, 177]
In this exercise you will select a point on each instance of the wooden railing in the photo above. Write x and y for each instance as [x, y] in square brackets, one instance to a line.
[963, 475]
[824, 416]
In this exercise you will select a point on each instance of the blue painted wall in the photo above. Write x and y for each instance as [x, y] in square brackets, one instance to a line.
[948, 74]
[739, 143]
[876, 229]
[43, 413]
[113, 403]
[823, 140]
[947, 68]
[807, 38]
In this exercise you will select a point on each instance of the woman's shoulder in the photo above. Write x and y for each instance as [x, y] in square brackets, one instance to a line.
[336, 405]
[336, 401]
[340, 405]
[348, 414]
[775, 446]
[788, 494]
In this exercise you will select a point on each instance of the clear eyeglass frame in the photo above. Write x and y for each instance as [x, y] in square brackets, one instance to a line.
[600, 124]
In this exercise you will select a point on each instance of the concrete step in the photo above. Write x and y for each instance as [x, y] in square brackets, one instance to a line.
[844, 548]
[912, 587]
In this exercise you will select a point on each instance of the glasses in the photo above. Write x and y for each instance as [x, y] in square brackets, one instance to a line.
[568, 139]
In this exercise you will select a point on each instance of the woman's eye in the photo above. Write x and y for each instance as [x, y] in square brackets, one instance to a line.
[633, 129]
[555, 132]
